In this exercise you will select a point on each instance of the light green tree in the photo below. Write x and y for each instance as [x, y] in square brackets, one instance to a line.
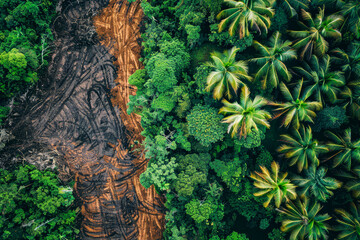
[246, 115]
[315, 30]
[273, 185]
[301, 148]
[226, 74]
[272, 61]
[244, 16]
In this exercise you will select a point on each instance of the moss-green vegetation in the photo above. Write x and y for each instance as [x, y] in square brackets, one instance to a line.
[25, 37]
[35, 205]
[306, 78]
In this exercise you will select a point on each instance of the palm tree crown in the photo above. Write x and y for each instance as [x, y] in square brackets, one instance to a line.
[244, 15]
[291, 6]
[351, 9]
[312, 38]
[298, 108]
[323, 82]
[272, 61]
[315, 183]
[349, 60]
[348, 223]
[345, 150]
[351, 98]
[301, 148]
[246, 115]
[226, 73]
[303, 220]
[273, 185]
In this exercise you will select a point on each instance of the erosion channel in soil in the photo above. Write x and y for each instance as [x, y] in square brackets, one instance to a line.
[82, 115]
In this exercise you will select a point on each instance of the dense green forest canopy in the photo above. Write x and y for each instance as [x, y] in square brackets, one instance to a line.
[250, 110]
[25, 37]
[34, 204]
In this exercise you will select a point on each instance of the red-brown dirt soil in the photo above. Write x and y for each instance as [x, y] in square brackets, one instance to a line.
[118, 25]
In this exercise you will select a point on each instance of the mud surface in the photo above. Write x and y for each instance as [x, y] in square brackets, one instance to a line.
[78, 119]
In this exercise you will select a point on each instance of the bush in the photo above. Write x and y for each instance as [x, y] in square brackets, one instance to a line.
[25, 35]
[34, 205]
[4, 111]
[138, 78]
[204, 124]
[276, 234]
[330, 118]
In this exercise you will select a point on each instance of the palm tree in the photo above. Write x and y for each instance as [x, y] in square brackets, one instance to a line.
[348, 223]
[246, 115]
[345, 149]
[291, 6]
[315, 183]
[301, 148]
[226, 73]
[312, 38]
[304, 221]
[354, 184]
[351, 98]
[351, 10]
[323, 81]
[274, 185]
[298, 108]
[349, 60]
[245, 15]
[272, 60]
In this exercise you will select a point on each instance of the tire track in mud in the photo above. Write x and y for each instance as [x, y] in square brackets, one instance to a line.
[77, 117]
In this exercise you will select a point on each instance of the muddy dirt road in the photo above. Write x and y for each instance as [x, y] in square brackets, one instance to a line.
[83, 116]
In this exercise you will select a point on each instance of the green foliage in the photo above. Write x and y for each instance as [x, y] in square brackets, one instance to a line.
[25, 35]
[272, 61]
[231, 173]
[138, 78]
[276, 234]
[201, 211]
[204, 124]
[164, 101]
[162, 73]
[273, 184]
[236, 236]
[301, 148]
[298, 107]
[227, 73]
[324, 82]
[344, 149]
[246, 115]
[161, 174]
[193, 171]
[264, 224]
[264, 158]
[315, 227]
[348, 223]
[180, 118]
[175, 51]
[311, 38]
[330, 118]
[201, 78]
[187, 180]
[35, 206]
[253, 139]
[224, 39]
[244, 16]
[315, 183]
[4, 111]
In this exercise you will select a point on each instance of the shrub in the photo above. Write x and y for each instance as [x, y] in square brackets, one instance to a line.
[204, 124]
[330, 118]
[34, 205]
[138, 78]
